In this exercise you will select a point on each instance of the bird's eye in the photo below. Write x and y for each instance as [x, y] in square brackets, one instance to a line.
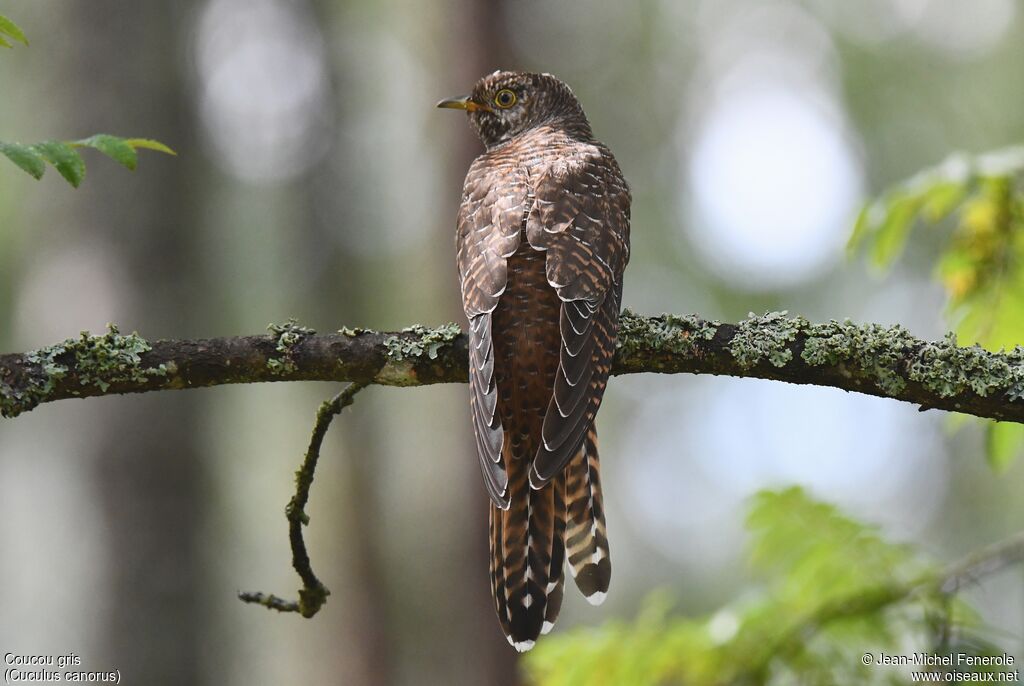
[504, 98]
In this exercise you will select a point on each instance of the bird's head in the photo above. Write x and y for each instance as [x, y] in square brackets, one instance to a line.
[506, 104]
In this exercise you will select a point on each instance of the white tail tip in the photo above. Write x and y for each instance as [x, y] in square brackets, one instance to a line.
[523, 646]
[596, 598]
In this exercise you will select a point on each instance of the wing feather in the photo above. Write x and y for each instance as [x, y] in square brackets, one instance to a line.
[483, 404]
[580, 217]
[489, 226]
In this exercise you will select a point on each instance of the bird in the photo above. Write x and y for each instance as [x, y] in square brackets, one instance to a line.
[542, 241]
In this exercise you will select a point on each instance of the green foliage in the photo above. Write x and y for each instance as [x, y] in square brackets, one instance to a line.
[981, 265]
[64, 157]
[1002, 443]
[833, 589]
[10, 30]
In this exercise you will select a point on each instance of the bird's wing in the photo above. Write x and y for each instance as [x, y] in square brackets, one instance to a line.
[580, 217]
[490, 220]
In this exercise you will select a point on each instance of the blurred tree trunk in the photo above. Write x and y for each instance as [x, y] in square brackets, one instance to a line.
[122, 76]
[478, 47]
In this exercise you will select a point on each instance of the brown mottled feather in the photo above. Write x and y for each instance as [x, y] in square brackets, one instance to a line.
[586, 538]
[558, 553]
[531, 529]
[488, 232]
[581, 219]
[543, 239]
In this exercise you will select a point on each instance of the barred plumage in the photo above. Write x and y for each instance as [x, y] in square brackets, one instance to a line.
[542, 243]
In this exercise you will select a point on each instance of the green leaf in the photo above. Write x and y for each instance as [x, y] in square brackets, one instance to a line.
[11, 29]
[64, 159]
[861, 228]
[25, 157]
[942, 199]
[892, 236]
[1003, 441]
[117, 149]
[4, 44]
[150, 144]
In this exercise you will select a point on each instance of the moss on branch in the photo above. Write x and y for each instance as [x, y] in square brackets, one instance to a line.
[866, 358]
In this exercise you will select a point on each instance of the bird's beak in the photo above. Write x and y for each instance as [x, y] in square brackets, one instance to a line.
[462, 103]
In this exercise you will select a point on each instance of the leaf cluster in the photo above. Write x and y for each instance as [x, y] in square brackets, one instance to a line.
[831, 589]
[63, 155]
[981, 264]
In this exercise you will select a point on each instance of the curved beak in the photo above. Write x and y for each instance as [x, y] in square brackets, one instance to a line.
[464, 102]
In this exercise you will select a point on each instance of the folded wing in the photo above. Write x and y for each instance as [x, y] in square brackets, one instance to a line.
[580, 218]
[489, 225]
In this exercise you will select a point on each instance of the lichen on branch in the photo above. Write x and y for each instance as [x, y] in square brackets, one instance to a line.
[77, 366]
[866, 358]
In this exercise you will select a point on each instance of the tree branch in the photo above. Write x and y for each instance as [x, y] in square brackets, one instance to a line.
[313, 593]
[866, 358]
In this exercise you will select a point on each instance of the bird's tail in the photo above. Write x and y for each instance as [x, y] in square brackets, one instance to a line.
[527, 556]
[586, 536]
[530, 541]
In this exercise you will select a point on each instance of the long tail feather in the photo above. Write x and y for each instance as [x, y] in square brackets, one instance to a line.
[527, 557]
[555, 573]
[586, 535]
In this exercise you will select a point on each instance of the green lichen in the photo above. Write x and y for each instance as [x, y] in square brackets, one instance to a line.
[666, 333]
[1015, 386]
[289, 335]
[424, 340]
[765, 337]
[891, 356]
[95, 361]
[876, 350]
[947, 369]
[352, 332]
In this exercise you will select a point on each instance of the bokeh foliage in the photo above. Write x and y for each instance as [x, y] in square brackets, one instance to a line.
[979, 201]
[830, 590]
[10, 31]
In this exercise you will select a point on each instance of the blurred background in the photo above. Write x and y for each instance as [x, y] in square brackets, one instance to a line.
[316, 180]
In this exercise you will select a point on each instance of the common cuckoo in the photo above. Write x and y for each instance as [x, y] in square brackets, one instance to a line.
[542, 242]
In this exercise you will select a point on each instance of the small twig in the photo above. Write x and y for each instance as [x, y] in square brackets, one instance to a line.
[983, 562]
[313, 593]
[269, 601]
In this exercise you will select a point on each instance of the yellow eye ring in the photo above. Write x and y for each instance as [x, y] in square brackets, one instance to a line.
[504, 98]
